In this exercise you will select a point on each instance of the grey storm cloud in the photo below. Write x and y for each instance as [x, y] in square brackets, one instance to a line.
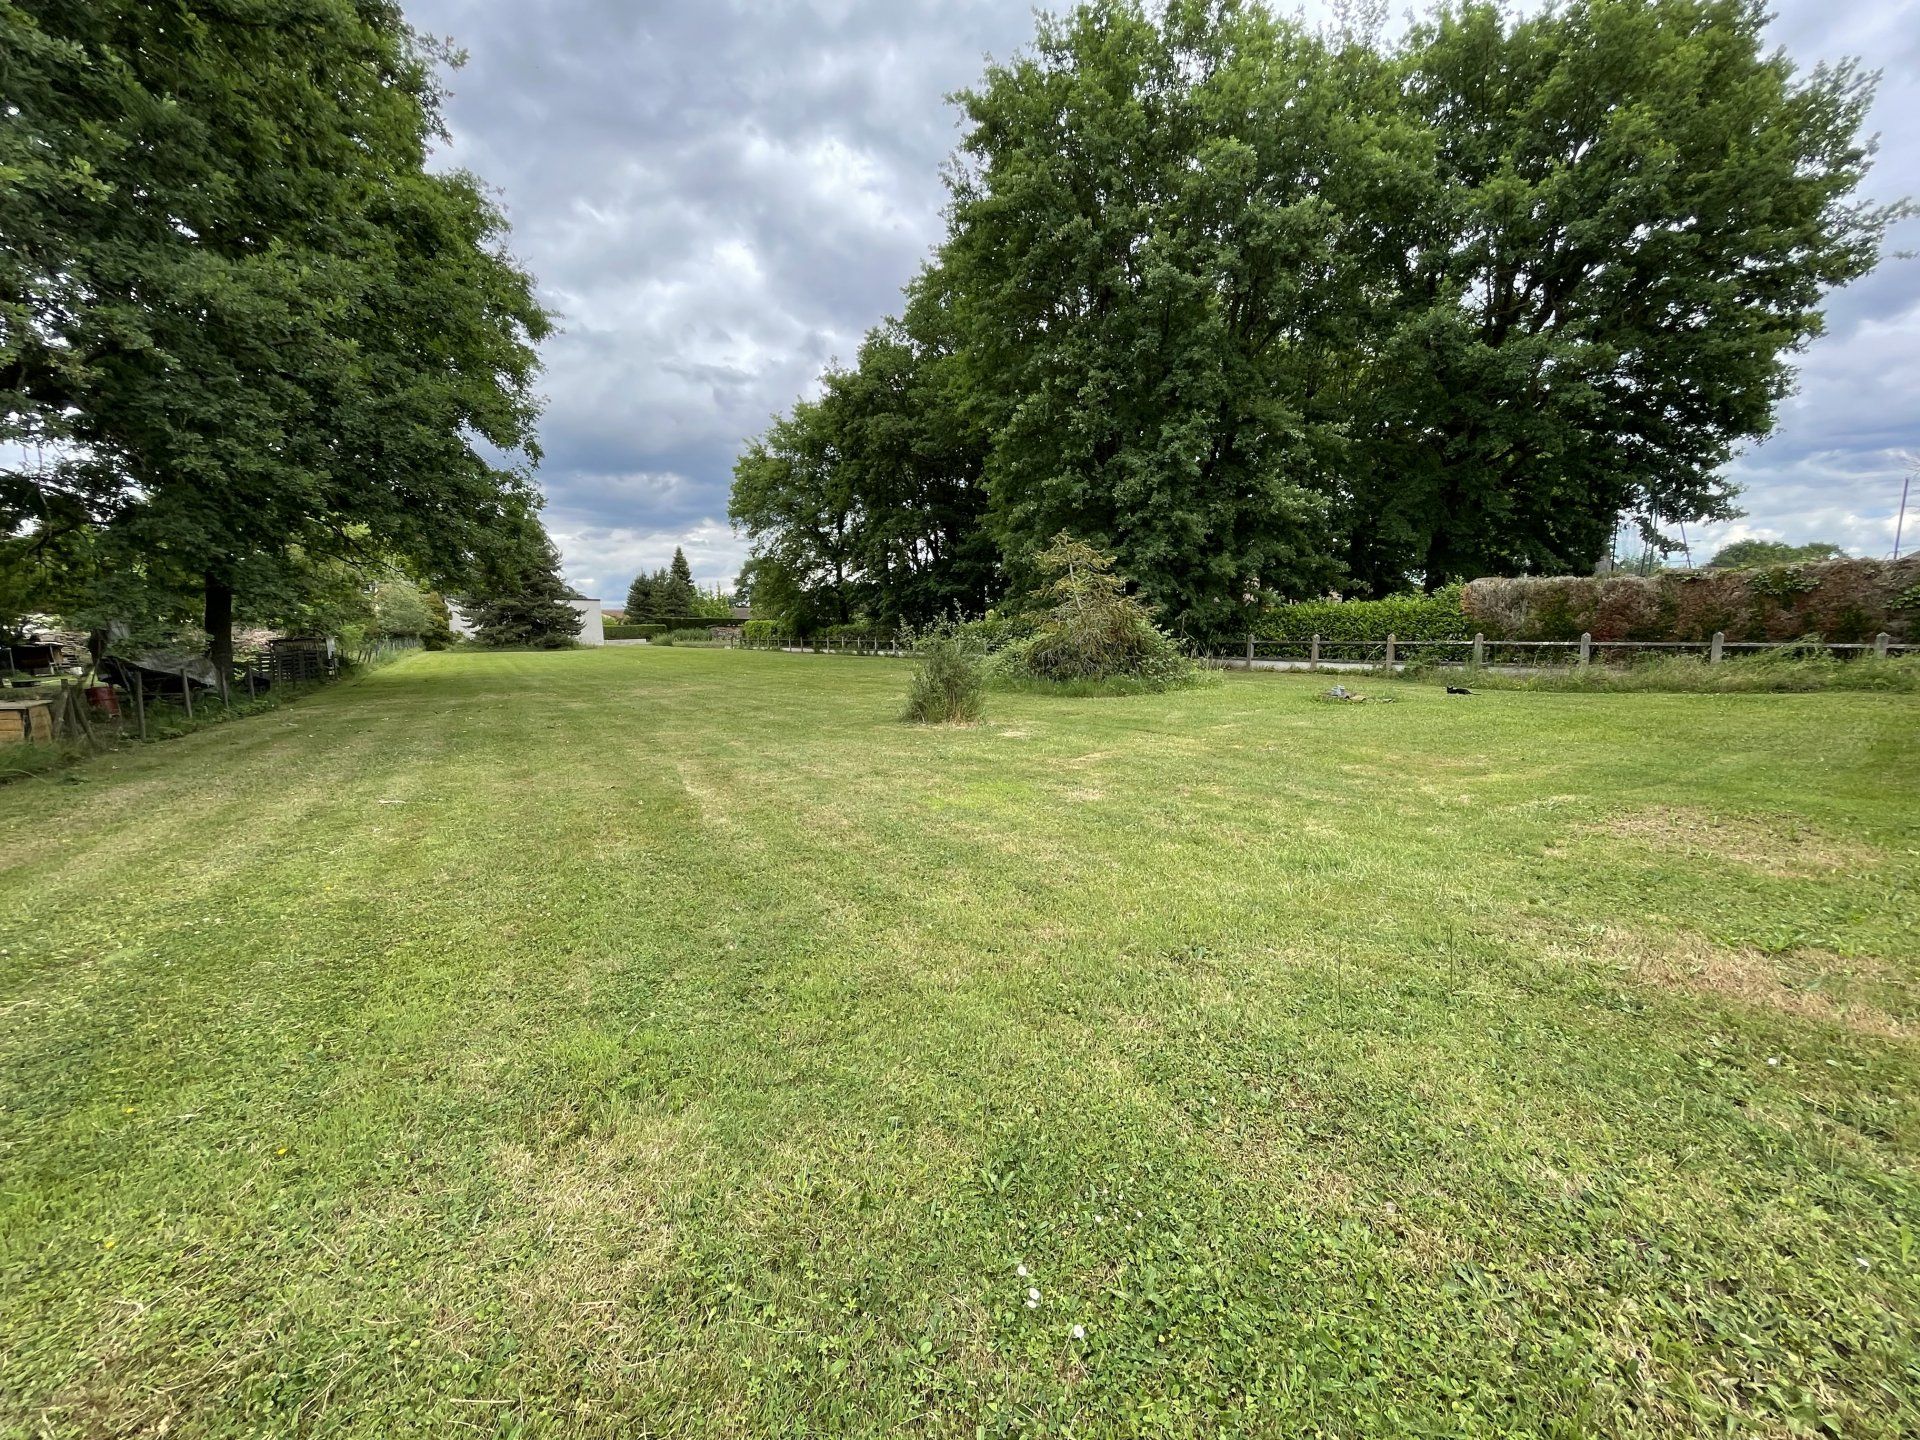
[718, 199]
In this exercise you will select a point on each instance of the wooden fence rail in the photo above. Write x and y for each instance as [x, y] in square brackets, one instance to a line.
[1386, 653]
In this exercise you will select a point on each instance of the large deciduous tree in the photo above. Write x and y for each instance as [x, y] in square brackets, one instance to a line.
[235, 302]
[1633, 214]
[868, 502]
[1147, 269]
[1261, 310]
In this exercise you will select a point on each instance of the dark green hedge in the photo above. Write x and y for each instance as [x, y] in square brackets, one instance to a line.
[1406, 617]
[665, 623]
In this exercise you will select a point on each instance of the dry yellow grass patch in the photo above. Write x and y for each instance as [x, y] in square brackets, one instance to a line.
[1685, 961]
[1786, 848]
[594, 1216]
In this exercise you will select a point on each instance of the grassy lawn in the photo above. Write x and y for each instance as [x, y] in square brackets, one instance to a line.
[635, 1042]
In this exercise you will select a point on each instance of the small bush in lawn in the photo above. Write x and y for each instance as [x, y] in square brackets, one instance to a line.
[948, 683]
[1092, 632]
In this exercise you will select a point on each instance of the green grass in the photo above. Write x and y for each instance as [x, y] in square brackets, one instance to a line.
[1767, 673]
[658, 1042]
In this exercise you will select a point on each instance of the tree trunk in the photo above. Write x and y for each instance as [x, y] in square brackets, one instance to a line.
[218, 622]
[1437, 572]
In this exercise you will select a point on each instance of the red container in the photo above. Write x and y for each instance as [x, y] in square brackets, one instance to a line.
[102, 699]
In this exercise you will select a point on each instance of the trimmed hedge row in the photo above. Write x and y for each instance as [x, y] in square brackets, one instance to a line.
[1407, 617]
[634, 632]
[1842, 601]
[696, 622]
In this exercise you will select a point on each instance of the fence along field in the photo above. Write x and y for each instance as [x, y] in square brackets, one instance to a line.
[1392, 653]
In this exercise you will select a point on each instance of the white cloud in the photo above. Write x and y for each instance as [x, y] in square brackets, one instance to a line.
[601, 560]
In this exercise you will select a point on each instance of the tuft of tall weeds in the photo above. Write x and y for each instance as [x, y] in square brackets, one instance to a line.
[949, 681]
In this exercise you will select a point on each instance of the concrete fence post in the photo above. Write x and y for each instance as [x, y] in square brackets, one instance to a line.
[1713, 649]
[1880, 644]
[1479, 649]
[1249, 650]
[1586, 647]
[1313, 655]
[1390, 652]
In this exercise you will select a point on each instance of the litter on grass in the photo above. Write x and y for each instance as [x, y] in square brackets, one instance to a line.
[1340, 695]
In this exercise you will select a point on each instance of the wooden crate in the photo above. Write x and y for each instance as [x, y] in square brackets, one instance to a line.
[25, 720]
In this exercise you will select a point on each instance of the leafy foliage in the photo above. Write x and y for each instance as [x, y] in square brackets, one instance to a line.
[1250, 307]
[1407, 617]
[711, 604]
[949, 681]
[402, 609]
[1089, 628]
[869, 501]
[238, 314]
[1846, 601]
[1755, 554]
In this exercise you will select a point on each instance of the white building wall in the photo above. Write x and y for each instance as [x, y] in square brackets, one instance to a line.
[593, 628]
[458, 622]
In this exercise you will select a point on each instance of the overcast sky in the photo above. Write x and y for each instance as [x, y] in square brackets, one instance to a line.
[720, 196]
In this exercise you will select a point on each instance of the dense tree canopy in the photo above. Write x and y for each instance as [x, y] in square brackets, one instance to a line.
[237, 314]
[1264, 310]
[1754, 554]
[662, 594]
[1633, 213]
[870, 500]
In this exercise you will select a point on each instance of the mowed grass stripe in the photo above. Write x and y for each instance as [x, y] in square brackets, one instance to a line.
[657, 1041]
